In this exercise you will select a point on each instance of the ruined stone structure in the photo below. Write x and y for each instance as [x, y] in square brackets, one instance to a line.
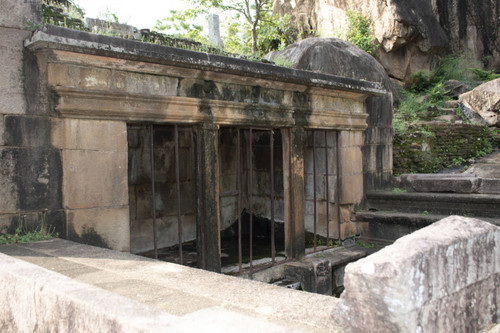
[442, 278]
[135, 146]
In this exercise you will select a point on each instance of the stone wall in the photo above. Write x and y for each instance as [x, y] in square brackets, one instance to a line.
[419, 153]
[30, 165]
[442, 278]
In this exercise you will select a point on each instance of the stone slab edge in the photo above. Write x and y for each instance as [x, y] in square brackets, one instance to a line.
[36, 299]
[81, 41]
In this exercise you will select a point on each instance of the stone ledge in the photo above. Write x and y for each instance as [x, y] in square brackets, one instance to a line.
[178, 290]
[67, 39]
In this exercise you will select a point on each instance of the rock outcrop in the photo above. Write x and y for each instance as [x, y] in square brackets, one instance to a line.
[411, 34]
[338, 57]
[482, 104]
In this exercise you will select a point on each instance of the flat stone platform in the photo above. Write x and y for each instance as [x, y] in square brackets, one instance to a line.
[142, 294]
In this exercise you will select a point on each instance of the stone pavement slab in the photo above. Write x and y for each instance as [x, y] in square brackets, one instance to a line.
[182, 291]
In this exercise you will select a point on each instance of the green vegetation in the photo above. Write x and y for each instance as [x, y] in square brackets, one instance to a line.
[23, 235]
[64, 13]
[420, 101]
[251, 30]
[366, 245]
[359, 32]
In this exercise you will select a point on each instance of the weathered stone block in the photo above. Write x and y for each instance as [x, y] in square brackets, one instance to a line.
[2, 130]
[351, 161]
[25, 131]
[103, 227]
[30, 179]
[144, 84]
[8, 186]
[314, 274]
[351, 191]
[11, 72]
[351, 139]
[20, 14]
[94, 179]
[74, 76]
[440, 278]
[90, 135]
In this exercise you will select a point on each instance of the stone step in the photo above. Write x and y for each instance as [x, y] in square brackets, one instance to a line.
[448, 183]
[455, 183]
[447, 118]
[478, 205]
[389, 226]
[448, 111]
[451, 103]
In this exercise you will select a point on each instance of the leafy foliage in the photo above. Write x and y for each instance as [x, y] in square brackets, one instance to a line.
[250, 27]
[359, 31]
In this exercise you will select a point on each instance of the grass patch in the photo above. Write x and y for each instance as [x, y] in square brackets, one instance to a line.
[23, 236]
[366, 245]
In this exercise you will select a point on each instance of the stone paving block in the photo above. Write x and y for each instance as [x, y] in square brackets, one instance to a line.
[94, 179]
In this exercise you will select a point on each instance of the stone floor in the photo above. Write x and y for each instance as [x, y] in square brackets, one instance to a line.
[183, 292]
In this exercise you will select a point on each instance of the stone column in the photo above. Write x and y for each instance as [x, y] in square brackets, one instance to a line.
[351, 179]
[30, 167]
[293, 187]
[95, 181]
[207, 194]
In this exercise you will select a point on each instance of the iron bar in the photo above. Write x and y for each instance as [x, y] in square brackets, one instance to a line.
[314, 190]
[178, 192]
[200, 199]
[250, 190]
[338, 184]
[273, 242]
[327, 192]
[153, 203]
[238, 151]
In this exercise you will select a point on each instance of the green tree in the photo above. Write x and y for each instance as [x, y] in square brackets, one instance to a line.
[256, 15]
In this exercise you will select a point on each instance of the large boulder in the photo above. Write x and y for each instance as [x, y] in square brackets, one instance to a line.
[338, 57]
[482, 104]
[411, 34]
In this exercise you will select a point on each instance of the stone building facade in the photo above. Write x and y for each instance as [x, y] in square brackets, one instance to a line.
[127, 145]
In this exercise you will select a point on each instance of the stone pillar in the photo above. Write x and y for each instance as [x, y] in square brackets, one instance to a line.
[207, 194]
[351, 179]
[293, 187]
[30, 168]
[214, 31]
[95, 181]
